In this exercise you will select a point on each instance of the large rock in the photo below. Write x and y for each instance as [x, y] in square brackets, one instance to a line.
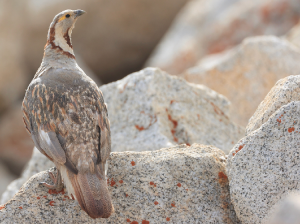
[149, 110]
[176, 185]
[285, 91]
[37, 163]
[264, 166]
[246, 73]
[229, 27]
[288, 211]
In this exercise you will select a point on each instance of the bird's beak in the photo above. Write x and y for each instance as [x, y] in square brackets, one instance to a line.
[78, 12]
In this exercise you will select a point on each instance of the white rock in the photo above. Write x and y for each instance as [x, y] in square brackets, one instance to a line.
[246, 73]
[285, 91]
[149, 110]
[264, 166]
[176, 185]
[288, 211]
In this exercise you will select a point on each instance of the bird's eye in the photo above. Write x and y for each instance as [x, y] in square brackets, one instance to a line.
[68, 15]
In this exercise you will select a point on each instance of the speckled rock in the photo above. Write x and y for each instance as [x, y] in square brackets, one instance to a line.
[288, 211]
[6, 177]
[175, 185]
[37, 163]
[264, 166]
[204, 30]
[285, 91]
[149, 110]
[246, 73]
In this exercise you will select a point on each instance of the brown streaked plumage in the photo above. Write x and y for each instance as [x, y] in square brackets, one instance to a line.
[65, 114]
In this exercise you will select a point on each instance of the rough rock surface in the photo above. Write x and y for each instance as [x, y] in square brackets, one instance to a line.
[229, 28]
[37, 163]
[246, 73]
[177, 185]
[285, 91]
[264, 166]
[288, 211]
[149, 110]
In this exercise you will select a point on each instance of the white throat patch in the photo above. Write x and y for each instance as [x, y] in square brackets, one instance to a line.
[61, 42]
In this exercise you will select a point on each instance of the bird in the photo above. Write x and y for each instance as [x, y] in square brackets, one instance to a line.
[66, 116]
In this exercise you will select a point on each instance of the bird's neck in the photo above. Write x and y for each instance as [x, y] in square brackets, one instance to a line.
[59, 46]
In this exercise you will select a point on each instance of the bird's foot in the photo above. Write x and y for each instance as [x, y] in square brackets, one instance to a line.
[57, 181]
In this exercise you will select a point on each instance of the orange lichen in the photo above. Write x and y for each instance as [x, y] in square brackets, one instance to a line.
[175, 124]
[126, 195]
[179, 184]
[121, 181]
[156, 203]
[154, 185]
[173, 204]
[168, 219]
[278, 120]
[291, 129]
[44, 196]
[151, 183]
[222, 178]
[134, 222]
[2, 207]
[112, 183]
[140, 128]
[56, 192]
[20, 207]
[52, 203]
[132, 163]
[127, 220]
[38, 197]
[172, 101]
[66, 196]
[145, 222]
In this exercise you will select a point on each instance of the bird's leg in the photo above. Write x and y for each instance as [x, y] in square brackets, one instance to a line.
[58, 184]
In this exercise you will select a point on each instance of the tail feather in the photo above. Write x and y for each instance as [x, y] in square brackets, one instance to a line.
[92, 194]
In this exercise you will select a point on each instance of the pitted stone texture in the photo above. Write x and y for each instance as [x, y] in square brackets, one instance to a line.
[37, 163]
[149, 110]
[285, 91]
[288, 211]
[246, 73]
[176, 185]
[265, 165]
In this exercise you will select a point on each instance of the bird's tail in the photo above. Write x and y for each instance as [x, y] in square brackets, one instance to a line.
[91, 192]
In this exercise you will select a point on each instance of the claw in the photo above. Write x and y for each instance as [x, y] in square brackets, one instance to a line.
[57, 182]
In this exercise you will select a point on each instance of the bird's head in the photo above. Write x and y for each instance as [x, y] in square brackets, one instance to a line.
[60, 30]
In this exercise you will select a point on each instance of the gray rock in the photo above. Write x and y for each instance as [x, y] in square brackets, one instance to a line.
[176, 185]
[149, 110]
[288, 211]
[246, 73]
[264, 166]
[285, 91]
[37, 163]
